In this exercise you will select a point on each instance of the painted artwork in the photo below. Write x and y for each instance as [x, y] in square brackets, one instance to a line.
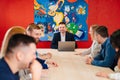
[49, 13]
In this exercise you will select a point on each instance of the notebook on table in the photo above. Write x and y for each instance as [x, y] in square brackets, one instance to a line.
[66, 46]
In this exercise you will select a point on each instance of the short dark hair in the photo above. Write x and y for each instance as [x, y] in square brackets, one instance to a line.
[102, 31]
[62, 23]
[18, 39]
[115, 39]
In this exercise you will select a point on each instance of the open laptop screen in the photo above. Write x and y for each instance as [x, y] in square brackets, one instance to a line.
[66, 46]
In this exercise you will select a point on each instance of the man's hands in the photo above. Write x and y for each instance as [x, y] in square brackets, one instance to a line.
[102, 74]
[35, 69]
[118, 64]
[79, 54]
[89, 60]
[51, 63]
[45, 56]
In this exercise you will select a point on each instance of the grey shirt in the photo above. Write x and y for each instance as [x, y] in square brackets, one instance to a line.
[93, 50]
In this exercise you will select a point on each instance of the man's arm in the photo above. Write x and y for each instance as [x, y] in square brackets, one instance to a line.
[35, 69]
[54, 43]
[73, 39]
[42, 62]
[108, 58]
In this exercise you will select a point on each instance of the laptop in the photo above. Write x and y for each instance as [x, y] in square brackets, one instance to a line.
[66, 46]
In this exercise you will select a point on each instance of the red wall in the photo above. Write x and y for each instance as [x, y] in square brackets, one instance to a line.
[15, 12]
[20, 12]
[105, 12]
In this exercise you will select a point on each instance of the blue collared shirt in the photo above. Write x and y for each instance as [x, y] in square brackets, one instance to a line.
[106, 57]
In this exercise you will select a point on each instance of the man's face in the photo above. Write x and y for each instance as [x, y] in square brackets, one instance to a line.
[62, 28]
[36, 34]
[116, 49]
[28, 55]
[98, 38]
[91, 33]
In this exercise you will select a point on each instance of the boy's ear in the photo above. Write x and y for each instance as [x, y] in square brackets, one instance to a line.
[27, 32]
[19, 56]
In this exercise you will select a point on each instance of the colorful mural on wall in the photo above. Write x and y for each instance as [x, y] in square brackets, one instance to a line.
[51, 12]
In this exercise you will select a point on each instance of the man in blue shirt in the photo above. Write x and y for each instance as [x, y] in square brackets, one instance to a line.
[19, 54]
[106, 57]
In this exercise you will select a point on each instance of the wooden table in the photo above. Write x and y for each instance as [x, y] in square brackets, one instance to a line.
[71, 67]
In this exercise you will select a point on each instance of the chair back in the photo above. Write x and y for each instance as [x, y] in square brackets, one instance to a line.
[10, 32]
